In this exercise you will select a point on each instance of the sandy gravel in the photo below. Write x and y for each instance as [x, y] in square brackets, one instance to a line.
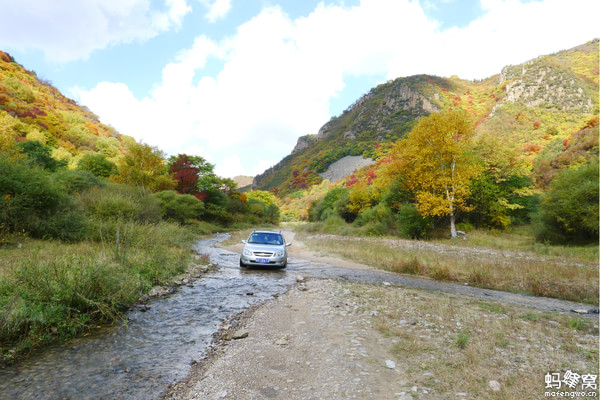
[300, 346]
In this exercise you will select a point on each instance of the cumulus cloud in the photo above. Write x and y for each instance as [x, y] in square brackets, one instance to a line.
[217, 9]
[67, 30]
[279, 74]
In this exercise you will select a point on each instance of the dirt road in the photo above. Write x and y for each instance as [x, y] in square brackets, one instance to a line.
[328, 339]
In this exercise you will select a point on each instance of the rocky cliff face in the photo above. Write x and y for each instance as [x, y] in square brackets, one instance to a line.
[377, 111]
[537, 84]
[554, 81]
[304, 142]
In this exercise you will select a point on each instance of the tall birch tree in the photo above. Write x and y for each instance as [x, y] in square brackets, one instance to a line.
[435, 165]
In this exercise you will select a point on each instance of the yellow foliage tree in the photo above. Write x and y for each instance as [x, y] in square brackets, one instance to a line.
[145, 166]
[435, 165]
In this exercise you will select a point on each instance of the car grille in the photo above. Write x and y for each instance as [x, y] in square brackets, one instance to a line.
[266, 254]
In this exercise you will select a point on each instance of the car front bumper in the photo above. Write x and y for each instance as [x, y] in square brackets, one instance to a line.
[273, 261]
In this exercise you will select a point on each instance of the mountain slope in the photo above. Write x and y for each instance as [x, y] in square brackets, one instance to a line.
[529, 105]
[33, 109]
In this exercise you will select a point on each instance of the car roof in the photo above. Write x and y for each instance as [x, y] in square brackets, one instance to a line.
[278, 233]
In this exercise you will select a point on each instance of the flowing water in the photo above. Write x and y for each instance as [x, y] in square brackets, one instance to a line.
[140, 358]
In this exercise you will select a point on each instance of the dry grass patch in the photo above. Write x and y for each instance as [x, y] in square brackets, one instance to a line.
[484, 268]
[448, 344]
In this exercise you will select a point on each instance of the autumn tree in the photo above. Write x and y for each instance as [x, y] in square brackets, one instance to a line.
[435, 164]
[195, 175]
[145, 166]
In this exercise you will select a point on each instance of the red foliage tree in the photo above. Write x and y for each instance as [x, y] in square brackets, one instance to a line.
[185, 174]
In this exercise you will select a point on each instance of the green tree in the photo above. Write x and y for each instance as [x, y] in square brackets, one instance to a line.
[179, 207]
[267, 198]
[98, 165]
[144, 166]
[569, 209]
[39, 154]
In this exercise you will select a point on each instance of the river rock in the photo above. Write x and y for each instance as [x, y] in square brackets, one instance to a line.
[240, 334]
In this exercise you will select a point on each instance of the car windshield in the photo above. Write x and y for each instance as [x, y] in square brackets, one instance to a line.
[265, 238]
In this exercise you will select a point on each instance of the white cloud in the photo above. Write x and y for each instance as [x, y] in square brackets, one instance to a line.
[67, 30]
[217, 9]
[279, 74]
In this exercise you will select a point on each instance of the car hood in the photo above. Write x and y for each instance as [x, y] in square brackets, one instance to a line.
[264, 247]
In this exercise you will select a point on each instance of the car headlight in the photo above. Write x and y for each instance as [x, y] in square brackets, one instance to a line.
[279, 254]
[247, 252]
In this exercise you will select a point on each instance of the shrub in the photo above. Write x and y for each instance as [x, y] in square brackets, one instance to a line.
[31, 200]
[98, 165]
[115, 201]
[77, 181]
[569, 209]
[179, 207]
[411, 224]
[39, 155]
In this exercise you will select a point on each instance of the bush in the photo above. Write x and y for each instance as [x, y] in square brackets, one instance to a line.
[115, 201]
[318, 209]
[179, 207]
[411, 224]
[32, 200]
[40, 155]
[98, 165]
[569, 209]
[77, 181]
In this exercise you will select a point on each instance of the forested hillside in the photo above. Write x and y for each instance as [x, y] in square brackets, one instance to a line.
[521, 132]
[32, 109]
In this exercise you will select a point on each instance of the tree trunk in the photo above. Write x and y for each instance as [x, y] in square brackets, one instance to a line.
[453, 233]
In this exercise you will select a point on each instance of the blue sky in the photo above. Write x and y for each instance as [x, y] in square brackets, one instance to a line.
[238, 81]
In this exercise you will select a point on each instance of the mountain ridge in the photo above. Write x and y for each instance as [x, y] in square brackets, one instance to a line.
[533, 103]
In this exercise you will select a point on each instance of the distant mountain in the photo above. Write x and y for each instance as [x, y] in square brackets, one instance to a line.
[532, 105]
[243, 182]
[32, 109]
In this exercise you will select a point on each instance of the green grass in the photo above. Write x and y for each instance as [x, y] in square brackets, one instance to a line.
[51, 291]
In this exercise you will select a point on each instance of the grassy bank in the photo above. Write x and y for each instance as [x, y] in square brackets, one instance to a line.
[446, 344]
[549, 271]
[51, 291]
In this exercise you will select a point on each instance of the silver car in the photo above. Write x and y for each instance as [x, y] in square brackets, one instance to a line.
[264, 249]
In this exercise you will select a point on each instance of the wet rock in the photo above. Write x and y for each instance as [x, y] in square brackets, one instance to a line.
[240, 334]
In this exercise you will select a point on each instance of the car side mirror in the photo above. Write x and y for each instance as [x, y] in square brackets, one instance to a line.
[243, 241]
[288, 244]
